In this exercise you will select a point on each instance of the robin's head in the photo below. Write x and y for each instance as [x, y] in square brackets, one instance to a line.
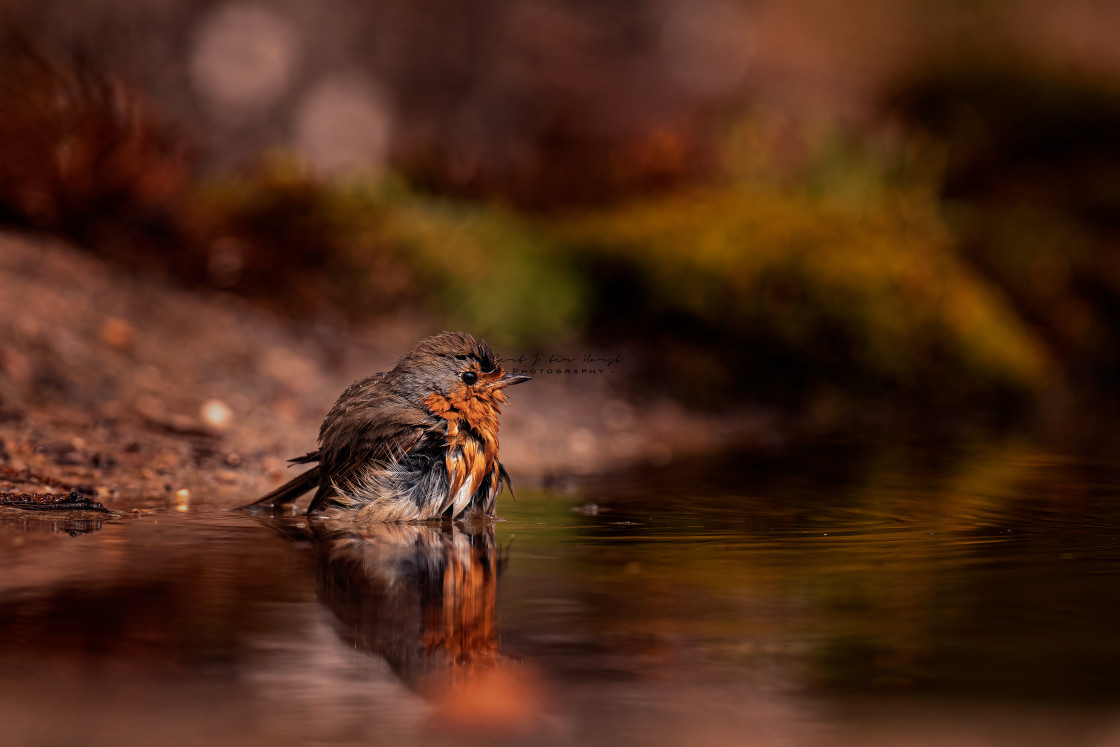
[454, 375]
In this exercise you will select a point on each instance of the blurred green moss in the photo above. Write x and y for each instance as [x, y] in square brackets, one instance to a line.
[301, 243]
[373, 247]
[490, 270]
[792, 289]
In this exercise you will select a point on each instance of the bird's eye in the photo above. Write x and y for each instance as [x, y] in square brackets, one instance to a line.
[469, 377]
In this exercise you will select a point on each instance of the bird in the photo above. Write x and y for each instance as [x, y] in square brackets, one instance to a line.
[416, 443]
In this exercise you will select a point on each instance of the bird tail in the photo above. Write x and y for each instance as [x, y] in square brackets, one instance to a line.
[290, 491]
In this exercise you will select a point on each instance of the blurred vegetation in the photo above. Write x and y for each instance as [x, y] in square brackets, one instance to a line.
[299, 245]
[83, 155]
[841, 281]
[794, 292]
[958, 259]
[1031, 188]
[373, 247]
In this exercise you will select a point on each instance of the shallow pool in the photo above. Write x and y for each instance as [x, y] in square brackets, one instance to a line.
[839, 595]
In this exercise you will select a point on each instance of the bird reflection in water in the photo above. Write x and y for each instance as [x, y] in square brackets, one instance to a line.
[421, 596]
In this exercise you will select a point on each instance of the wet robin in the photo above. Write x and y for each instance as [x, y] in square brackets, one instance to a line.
[414, 443]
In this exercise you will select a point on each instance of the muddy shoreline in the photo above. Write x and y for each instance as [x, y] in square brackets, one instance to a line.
[159, 395]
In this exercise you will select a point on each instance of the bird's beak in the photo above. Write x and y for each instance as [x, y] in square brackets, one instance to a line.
[509, 380]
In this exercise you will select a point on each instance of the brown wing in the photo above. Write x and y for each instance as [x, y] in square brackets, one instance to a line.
[366, 426]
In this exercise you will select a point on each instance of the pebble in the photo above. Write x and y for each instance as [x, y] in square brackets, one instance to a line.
[118, 333]
[216, 414]
[225, 476]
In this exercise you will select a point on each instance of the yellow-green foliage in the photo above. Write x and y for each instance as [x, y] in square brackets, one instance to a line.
[373, 246]
[490, 270]
[304, 243]
[850, 274]
[876, 275]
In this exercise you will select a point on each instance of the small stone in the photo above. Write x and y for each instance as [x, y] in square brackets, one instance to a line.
[216, 414]
[225, 476]
[118, 333]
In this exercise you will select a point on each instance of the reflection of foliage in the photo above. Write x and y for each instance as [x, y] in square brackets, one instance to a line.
[843, 567]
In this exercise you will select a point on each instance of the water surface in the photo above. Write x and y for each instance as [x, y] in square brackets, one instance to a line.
[841, 595]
